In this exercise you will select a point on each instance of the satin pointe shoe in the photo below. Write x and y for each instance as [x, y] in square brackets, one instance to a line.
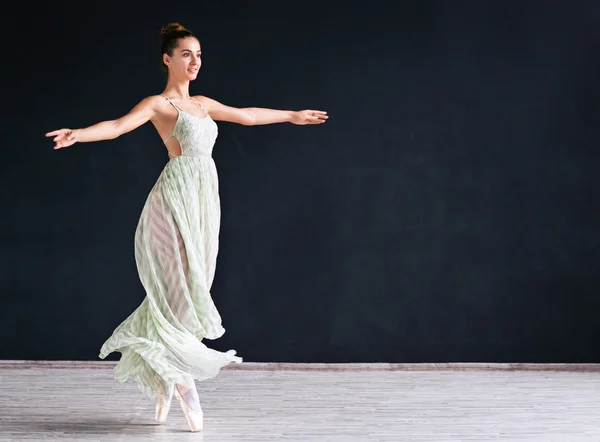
[192, 410]
[163, 405]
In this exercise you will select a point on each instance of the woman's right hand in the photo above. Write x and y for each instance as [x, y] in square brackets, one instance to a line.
[63, 137]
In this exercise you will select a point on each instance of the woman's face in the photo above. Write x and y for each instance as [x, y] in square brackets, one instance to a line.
[185, 62]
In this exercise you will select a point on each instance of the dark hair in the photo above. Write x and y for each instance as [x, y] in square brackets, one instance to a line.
[170, 35]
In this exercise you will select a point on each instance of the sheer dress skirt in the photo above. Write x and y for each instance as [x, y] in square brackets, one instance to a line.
[176, 246]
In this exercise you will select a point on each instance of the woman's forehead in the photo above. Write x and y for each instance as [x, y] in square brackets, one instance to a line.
[189, 43]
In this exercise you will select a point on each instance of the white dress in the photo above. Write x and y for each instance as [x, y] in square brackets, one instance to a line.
[176, 246]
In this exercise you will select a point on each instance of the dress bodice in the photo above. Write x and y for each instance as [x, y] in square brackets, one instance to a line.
[196, 135]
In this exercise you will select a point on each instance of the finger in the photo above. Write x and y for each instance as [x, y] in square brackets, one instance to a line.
[54, 132]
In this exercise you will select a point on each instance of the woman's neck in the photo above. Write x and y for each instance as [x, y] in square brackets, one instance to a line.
[178, 91]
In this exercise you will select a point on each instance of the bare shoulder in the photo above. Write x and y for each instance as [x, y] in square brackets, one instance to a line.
[157, 104]
[155, 101]
[207, 103]
[151, 102]
[221, 112]
[151, 108]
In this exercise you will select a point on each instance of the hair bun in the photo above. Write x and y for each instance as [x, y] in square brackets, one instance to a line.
[170, 28]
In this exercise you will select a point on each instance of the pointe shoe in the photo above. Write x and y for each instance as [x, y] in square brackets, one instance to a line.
[163, 405]
[161, 412]
[194, 418]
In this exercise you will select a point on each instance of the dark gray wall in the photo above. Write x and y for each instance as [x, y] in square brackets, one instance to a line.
[448, 211]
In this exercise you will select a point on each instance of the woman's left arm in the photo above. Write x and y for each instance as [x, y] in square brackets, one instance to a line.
[253, 116]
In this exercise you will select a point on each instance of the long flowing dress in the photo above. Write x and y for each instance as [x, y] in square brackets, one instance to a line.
[176, 245]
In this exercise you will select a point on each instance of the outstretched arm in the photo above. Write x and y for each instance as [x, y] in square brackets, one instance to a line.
[253, 116]
[106, 130]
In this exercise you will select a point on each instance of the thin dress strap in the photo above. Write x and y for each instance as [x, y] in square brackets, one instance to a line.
[198, 101]
[169, 137]
[169, 100]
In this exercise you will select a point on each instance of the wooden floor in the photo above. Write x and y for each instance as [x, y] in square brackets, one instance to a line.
[85, 404]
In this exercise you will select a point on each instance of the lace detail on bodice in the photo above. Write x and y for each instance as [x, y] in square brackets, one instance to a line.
[196, 135]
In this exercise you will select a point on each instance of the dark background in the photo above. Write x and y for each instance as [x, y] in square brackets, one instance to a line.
[447, 212]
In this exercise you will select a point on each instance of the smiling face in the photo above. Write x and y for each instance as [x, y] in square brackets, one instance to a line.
[184, 62]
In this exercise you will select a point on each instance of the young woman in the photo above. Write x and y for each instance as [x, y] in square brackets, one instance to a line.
[176, 241]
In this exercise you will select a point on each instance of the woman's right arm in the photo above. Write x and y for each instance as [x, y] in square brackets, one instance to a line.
[144, 111]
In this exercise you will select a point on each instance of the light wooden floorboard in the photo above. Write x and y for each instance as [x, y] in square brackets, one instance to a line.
[85, 404]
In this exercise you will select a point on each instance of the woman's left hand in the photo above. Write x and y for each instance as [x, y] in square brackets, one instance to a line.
[309, 117]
